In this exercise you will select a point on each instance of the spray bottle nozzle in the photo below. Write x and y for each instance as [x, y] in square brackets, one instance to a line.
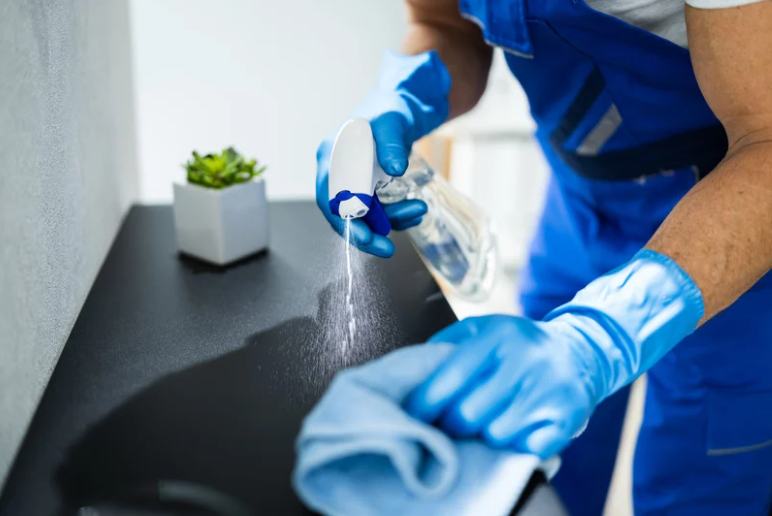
[350, 206]
[352, 209]
[367, 207]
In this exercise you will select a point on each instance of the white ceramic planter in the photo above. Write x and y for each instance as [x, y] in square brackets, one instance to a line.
[221, 226]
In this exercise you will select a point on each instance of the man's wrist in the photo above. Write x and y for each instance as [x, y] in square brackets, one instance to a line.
[422, 82]
[634, 315]
[686, 288]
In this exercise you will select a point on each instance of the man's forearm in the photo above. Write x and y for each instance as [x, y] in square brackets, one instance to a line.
[721, 231]
[438, 25]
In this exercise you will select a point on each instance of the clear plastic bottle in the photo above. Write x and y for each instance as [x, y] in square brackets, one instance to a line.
[455, 237]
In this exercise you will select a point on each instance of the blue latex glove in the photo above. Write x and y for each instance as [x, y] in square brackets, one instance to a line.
[409, 101]
[533, 385]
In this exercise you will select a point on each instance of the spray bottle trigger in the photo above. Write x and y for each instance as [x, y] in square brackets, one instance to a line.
[376, 218]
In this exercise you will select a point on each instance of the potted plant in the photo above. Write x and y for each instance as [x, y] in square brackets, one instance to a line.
[221, 212]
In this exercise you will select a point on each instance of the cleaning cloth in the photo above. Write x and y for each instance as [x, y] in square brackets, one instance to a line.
[359, 453]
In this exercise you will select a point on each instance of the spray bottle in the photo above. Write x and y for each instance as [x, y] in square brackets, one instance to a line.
[454, 237]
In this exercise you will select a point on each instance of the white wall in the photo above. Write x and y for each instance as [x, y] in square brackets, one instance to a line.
[272, 78]
[69, 172]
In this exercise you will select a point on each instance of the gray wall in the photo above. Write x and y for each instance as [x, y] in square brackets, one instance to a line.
[67, 175]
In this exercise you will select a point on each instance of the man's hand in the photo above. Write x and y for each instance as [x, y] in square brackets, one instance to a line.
[409, 101]
[516, 382]
[531, 386]
[720, 233]
[441, 74]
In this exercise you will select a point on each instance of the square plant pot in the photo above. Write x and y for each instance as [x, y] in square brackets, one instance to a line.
[221, 226]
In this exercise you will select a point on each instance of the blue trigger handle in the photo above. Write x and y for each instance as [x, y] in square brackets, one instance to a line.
[376, 217]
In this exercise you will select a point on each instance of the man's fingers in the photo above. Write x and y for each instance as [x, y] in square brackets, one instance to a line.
[407, 224]
[473, 411]
[404, 211]
[456, 332]
[391, 145]
[467, 366]
[379, 246]
[535, 425]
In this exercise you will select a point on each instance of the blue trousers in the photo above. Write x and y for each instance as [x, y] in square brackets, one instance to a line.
[705, 444]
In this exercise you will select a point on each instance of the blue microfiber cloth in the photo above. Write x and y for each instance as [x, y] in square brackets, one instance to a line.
[360, 454]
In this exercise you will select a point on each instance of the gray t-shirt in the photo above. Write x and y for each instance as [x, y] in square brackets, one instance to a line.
[665, 18]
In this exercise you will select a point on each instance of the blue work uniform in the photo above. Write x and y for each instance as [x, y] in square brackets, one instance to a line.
[627, 133]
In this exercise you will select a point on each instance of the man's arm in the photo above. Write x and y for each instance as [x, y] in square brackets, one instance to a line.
[721, 231]
[438, 25]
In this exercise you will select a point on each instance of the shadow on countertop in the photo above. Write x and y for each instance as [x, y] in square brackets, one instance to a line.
[218, 438]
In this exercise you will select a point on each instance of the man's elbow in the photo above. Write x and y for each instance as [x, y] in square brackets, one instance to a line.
[749, 132]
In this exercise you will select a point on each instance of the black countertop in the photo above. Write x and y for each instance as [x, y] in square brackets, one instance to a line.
[181, 381]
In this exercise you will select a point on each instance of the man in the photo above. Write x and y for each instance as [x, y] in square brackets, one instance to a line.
[656, 118]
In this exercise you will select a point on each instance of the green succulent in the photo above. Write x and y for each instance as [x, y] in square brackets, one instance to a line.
[221, 170]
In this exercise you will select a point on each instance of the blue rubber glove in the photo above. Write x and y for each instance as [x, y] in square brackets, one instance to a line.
[533, 385]
[409, 101]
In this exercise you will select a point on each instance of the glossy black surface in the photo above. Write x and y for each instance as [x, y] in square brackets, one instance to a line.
[187, 383]
[195, 375]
